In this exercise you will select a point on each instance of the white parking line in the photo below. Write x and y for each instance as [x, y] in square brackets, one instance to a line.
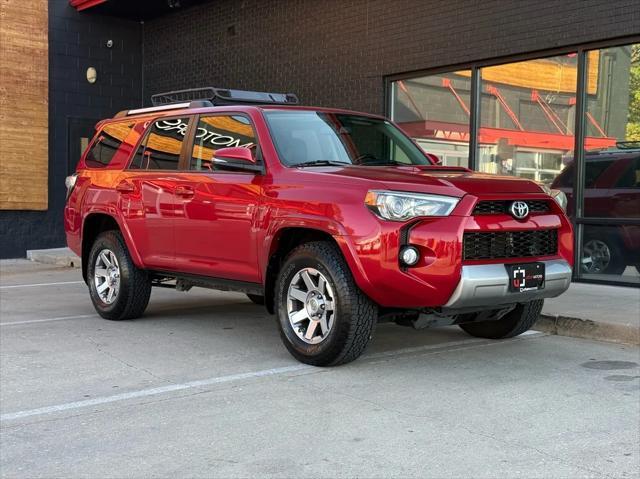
[224, 379]
[151, 392]
[40, 284]
[45, 320]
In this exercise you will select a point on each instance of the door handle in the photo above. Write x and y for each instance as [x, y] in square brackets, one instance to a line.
[184, 191]
[125, 187]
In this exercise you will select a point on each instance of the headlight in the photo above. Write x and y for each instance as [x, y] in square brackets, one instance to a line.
[560, 198]
[557, 195]
[399, 206]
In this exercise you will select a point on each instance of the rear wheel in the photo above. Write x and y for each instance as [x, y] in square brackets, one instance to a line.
[118, 289]
[324, 318]
[516, 322]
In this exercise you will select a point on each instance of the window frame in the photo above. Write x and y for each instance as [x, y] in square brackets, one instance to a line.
[96, 139]
[145, 136]
[579, 220]
[192, 133]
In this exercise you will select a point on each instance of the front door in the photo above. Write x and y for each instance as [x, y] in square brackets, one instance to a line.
[216, 209]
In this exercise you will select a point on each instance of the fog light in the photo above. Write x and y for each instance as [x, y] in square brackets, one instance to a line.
[409, 255]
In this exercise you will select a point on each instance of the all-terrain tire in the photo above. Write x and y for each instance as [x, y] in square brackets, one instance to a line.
[135, 286]
[516, 322]
[355, 318]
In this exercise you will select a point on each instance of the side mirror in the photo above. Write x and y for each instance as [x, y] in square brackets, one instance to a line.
[435, 159]
[236, 158]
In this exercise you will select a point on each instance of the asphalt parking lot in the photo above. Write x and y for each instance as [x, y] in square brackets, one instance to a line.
[202, 387]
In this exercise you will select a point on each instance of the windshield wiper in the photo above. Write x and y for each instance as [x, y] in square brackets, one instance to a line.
[379, 162]
[369, 159]
[321, 163]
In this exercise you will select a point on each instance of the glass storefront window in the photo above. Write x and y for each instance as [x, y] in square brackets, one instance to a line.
[611, 252]
[612, 165]
[612, 134]
[434, 110]
[527, 117]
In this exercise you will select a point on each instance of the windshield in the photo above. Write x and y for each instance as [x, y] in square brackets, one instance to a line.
[307, 138]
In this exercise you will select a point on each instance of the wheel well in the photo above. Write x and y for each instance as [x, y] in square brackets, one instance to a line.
[93, 226]
[285, 241]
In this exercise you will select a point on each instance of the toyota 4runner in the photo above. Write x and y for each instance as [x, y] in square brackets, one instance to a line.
[334, 220]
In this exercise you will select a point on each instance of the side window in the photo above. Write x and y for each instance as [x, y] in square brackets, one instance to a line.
[220, 131]
[160, 150]
[106, 146]
[594, 169]
[631, 176]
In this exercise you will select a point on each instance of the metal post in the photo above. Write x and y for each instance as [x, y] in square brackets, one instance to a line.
[579, 158]
[474, 119]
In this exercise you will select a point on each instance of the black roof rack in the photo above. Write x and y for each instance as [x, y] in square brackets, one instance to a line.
[223, 96]
[628, 145]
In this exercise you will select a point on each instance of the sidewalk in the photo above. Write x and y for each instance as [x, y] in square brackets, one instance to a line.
[594, 311]
[55, 256]
[590, 311]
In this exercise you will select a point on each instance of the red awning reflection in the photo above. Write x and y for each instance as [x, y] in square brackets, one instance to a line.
[442, 130]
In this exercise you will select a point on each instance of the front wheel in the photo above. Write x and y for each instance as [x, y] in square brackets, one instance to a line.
[602, 255]
[516, 322]
[324, 318]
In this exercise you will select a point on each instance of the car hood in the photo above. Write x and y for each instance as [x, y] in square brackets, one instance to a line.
[434, 179]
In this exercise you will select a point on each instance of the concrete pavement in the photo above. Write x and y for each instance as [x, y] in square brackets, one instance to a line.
[202, 387]
[590, 311]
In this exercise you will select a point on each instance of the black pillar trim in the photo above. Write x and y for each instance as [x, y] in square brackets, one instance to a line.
[578, 159]
[474, 119]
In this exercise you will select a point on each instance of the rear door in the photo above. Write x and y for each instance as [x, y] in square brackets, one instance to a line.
[217, 207]
[148, 187]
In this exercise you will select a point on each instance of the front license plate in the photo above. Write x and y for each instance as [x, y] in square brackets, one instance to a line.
[525, 277]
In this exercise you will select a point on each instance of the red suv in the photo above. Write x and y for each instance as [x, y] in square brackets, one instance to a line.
[611, 191]
[335, 220]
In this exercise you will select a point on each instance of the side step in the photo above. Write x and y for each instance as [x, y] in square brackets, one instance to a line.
[184, 282]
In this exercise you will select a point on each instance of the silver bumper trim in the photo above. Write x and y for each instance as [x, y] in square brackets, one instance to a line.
[488, 285]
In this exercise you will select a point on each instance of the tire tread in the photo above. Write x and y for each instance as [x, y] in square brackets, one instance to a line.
[360, 309]
[137, 280]
[514, 323]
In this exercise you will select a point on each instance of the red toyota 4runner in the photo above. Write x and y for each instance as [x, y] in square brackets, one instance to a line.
[335, 220]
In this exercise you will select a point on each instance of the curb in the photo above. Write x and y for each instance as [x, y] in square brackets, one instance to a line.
[55, 256]
[588, 329]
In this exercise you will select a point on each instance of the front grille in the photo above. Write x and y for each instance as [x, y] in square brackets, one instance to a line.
[499, 207]
[510, 244]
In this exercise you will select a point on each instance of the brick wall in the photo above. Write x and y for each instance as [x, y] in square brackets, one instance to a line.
[330, 52]
[76, 41]
[336, 52]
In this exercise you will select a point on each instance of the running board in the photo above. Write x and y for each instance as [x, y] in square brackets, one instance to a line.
[184, 282]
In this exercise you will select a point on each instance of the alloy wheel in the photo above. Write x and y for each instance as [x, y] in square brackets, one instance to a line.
[106, 276]
[596, 256]
[311, 306]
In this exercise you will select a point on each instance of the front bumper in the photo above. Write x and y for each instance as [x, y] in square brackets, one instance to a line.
[487, 286]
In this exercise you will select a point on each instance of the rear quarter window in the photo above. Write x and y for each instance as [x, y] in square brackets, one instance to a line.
[107, 143]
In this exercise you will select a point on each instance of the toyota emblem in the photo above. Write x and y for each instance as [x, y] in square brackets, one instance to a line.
[519, 210]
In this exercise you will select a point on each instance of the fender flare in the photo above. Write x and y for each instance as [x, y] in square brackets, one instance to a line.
[319, 223]
[126, 234]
